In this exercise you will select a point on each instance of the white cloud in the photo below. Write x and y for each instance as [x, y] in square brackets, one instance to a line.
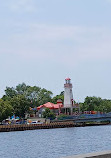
[63, 44]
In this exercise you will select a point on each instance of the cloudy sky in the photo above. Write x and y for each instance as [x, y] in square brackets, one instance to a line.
[44, 41]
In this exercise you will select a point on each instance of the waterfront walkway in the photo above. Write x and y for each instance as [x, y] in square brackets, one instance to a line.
[23, 127]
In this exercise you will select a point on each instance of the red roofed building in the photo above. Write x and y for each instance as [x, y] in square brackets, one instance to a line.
[47, 105]
[54, 107]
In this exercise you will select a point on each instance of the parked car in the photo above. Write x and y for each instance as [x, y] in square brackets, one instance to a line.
[36, 122]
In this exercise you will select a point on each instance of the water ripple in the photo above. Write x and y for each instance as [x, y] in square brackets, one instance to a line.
[55, 143]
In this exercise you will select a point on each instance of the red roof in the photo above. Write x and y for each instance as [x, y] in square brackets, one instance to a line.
[67, 79]
[38, 108]
[57, 106]
[50, 106]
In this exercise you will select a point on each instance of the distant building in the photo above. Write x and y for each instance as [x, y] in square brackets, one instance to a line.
[68, 95]
[56, 108]
[69, 106]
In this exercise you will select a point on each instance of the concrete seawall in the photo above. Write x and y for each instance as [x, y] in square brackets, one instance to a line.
[8, 128]
[104, 154]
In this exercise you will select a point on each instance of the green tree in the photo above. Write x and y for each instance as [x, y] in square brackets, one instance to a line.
[20, 105]
[36, 95]
[83, 107]
[60, 96]
[91, 103]
[21, 88]
[48, 114]
[96, 104]
[105, 106]
[5, 109]
[32, 94]
[44, 96]
[10, 92]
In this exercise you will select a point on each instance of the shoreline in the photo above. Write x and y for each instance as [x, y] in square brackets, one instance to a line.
[23, 127]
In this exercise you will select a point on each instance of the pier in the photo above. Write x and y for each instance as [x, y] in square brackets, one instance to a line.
[53, 124]
[23, 127]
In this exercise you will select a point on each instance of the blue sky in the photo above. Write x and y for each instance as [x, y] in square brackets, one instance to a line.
[44, 41]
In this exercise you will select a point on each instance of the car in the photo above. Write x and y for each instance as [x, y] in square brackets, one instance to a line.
[36, 122]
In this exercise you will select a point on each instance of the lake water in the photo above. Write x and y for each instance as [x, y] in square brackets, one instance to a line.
[54, 143]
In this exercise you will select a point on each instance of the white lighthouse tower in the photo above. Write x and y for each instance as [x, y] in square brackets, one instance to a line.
[68, 95]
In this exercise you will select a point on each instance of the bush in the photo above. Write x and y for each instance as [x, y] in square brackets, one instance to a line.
[62, 117]
[49, 114]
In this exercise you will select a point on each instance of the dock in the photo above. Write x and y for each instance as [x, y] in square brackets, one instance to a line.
[23, 127]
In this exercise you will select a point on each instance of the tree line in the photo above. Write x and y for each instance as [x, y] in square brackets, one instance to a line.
[96, 104]
[18, 100]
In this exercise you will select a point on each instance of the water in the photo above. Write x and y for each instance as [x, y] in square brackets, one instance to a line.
[54, 143]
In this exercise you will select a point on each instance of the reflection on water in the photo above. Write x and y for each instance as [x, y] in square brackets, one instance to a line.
[55, 143]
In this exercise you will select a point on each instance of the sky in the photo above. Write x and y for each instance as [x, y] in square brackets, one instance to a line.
[42, 42]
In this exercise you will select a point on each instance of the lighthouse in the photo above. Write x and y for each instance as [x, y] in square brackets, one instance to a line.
[68, 95]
